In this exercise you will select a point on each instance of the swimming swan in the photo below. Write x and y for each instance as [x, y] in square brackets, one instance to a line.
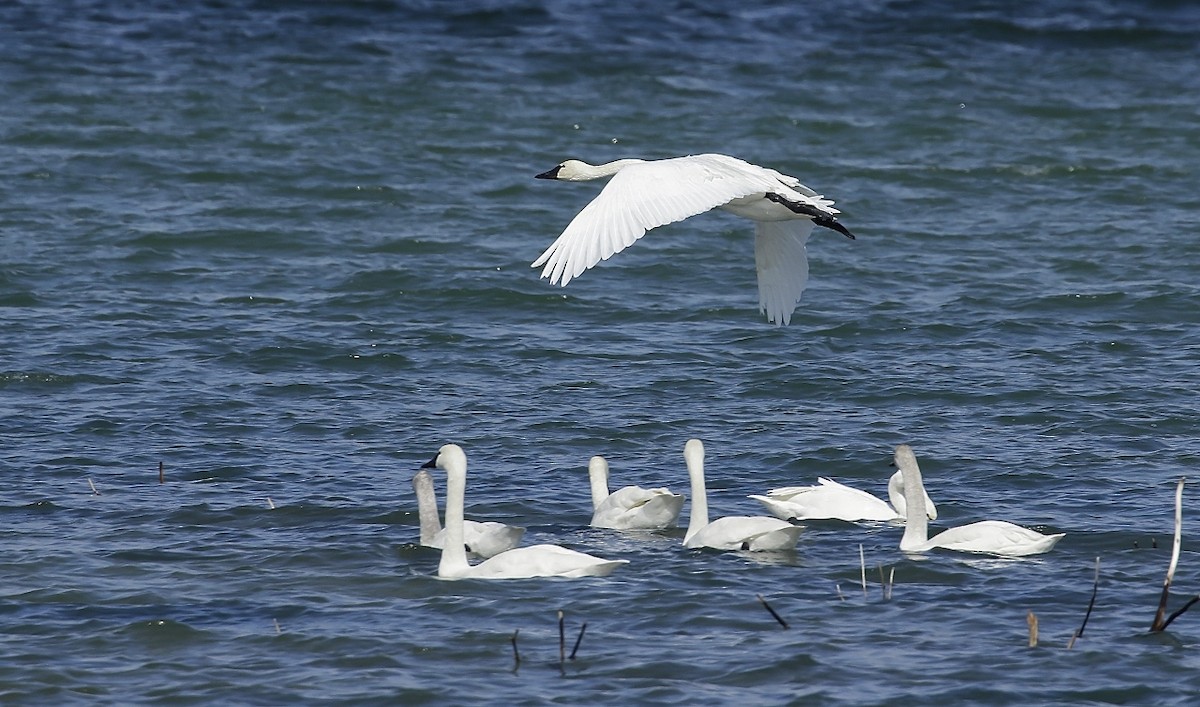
[993, 537]
[729, 532]
[830, 499]
[630, 507]
[646, 194]
[518, 563]
[481, 538]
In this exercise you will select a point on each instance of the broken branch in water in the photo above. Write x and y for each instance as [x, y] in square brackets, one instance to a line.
[773, 612]
[1088, 614]
[1160, 621]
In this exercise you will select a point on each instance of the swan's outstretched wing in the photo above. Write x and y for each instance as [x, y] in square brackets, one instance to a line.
[647, 195]
[781, 258]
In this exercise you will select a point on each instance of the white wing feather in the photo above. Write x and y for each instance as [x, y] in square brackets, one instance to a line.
[647, 195]
[781, 258]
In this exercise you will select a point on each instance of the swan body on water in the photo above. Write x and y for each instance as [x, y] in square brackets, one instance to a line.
[993, 537]
[518, 563]
[484, 539]
[729, 532]
[646, 194]
[832, 500]
[630, 507]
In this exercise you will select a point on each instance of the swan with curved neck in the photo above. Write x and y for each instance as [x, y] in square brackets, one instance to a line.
[729, 532]
[484, 539]
[518, 563]
[992, 537]
[630, 507]
[645, 194]
[832, 500]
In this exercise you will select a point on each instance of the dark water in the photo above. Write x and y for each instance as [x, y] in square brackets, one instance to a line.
[285, 252]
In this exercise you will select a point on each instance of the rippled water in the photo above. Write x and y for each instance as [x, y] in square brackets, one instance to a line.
[285, 252]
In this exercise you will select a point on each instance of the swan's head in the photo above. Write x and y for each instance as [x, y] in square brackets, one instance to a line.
[450, 455]
[598, 467]
[571, 171]
[693, 450]
[905, 459]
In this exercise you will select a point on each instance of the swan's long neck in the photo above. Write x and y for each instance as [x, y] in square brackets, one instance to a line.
[454, 552]
[426, 506]
[693, 454]
[896, 493]
[587, 172]
[598, 472]
[916, 523]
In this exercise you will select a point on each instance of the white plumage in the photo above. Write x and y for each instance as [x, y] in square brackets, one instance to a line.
[484, 539]
[729, 532]
[630, 507]
[518, 563]
[832, 500]
[646, 194]
[992, 537]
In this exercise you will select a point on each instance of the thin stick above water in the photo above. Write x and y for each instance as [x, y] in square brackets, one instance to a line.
[1092, 603]
[773, 612]
[1160, 616]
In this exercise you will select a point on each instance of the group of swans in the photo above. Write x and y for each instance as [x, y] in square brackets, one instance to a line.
[646, 194]
[635, 508]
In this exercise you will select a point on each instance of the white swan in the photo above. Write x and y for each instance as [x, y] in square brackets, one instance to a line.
[830, 499]
[645, 194]
[630, 507]
[729, 532]
[481, 538]
[518, 563]
[993, 537]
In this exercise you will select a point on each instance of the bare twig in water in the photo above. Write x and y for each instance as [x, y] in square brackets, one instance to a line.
[773, 612]
[1088, 614]
[1160, 616]
[862, 560]
[1031, 619]
[562, 640]
[839, 591]
[891, 584]
[277, 628]
[270, 503]
[516, 653]
[578, 640]
[1180, 611]
[94, 491]
[160, 472]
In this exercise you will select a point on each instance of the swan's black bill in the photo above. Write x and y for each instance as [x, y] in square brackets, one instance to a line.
[832, 223]
[819, 218]
[551, 174]
[432, 463]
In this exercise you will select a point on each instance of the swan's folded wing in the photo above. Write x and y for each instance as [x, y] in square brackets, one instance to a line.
[781, 258]
[644, 196]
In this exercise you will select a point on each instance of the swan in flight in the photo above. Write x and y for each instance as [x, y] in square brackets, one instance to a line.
[646, 194]
[518, 563]
[832, 500]
[483, 539]
[630, 507]
[729, 532]
[993, 537]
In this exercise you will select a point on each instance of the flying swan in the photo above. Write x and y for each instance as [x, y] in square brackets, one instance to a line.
[484, 539]
[646, 194]
[518, 563]
[993, 537]
[832, 500]
[630, 507]
[729, 532]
